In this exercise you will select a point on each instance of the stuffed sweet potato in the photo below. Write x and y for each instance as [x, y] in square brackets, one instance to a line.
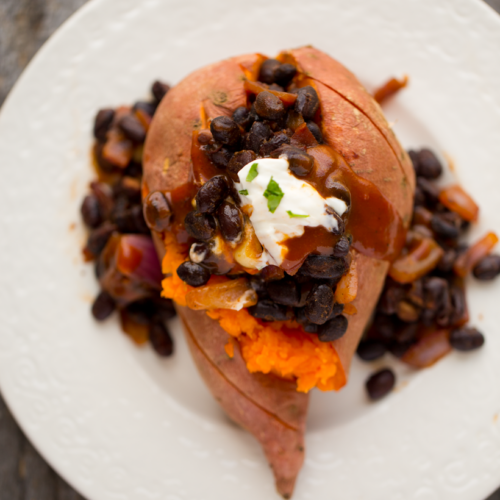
[277, 195]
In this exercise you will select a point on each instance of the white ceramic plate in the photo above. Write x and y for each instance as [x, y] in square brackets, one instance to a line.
[118, 422]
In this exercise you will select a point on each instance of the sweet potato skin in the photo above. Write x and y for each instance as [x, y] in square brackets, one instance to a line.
[265, 405]
[268, 407]
[218, 88]
[354, 125]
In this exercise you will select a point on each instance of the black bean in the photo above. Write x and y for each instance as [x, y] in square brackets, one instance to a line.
[253, 114]
[380, 383]
[146, 107]
[319, 266]
[205, 137]
[159, 90]
[487, 268]
[258, 133]
[272, 273]
[225, 130]
[414, 160]
[437, 300]
[141, 311]
[242, 117]
[369, 350]
[99, 268]
[160, 339]
[428, 164]
[268, 106]
[307, 102]
[407, 333]
[384, 327]
[230, 219]
[435, 289]
[129, 188]
[284, 73]
[419, 198]
[447, 260]
[427, 318]
[259, 285]
[238, 161]
[275, 86]
[333, 329]
[444, 227]
[133, 169]
[193, 274]
[391, 296]
[221, 157]
[276, 141]
[399, 349]
[140, 223]
[165, 309]
[268, 70]
[300, 163]
[285, 292]
[459, 304]
[316, 131]
[211, 194]
[132, 128]
[199, 252]
[319, 304]
[91, 211]
[466, 339]
[130, 220]
[429, 190]
[341, 248]
[303, 320]
[337, 309]
[310, 327]
[267, 310]
[339, 190]
[157, 212]
[103, 306]
[300, 315]
[99, 237]
[416, 293]
[102, 123]
[200, 226]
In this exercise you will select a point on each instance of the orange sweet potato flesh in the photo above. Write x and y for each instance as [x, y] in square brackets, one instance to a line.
[353, 124]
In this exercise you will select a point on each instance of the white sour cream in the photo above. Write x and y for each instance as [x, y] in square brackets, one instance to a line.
[299, 198]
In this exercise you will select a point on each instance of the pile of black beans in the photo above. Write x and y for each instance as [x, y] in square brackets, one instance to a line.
[307, 297]
[436, 299]
[258, 131]
[264, 129]
[115, 207]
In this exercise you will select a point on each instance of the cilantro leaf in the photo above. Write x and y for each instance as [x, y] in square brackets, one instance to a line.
[273, 193]
[244, 192]
[296, 216]
[252, 173]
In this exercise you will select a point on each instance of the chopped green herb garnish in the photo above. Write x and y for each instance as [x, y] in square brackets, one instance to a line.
[244, 191]
[273, 193]
[296, 216]
[252, 173]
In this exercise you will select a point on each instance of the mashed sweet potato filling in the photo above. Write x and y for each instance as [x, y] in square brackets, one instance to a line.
[282, 348]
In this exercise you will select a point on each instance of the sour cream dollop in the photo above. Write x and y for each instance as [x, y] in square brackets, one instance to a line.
[301, 206]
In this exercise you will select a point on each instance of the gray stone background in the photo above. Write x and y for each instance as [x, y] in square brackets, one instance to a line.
[24, 26]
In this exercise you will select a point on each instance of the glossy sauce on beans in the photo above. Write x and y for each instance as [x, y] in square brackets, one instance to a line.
[376, 228]
[374, 224]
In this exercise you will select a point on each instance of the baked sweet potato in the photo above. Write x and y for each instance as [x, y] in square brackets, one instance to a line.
[353, 126]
